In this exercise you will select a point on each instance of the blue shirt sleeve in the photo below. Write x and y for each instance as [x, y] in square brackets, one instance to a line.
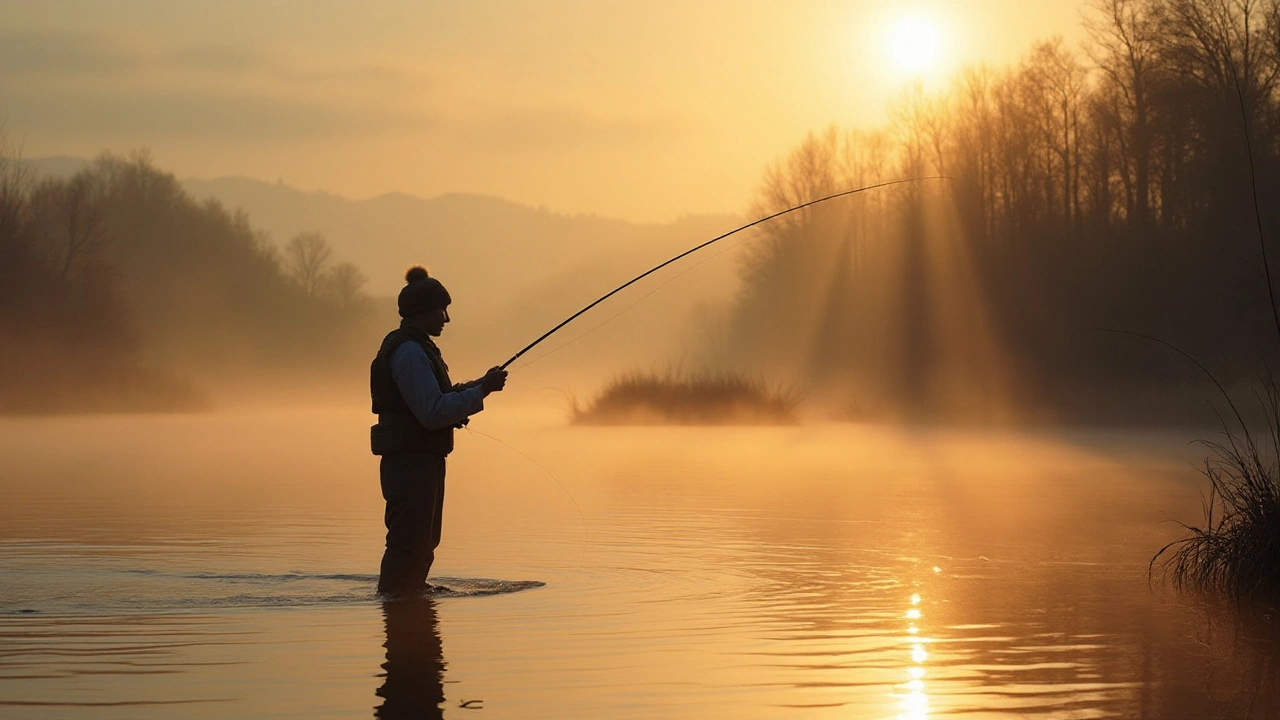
[411, 369]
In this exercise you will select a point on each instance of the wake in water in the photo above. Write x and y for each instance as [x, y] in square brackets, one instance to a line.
[476, 587]
[34, 591]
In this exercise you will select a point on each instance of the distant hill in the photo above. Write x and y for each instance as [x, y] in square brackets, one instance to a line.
[459, 237]
[513, 270]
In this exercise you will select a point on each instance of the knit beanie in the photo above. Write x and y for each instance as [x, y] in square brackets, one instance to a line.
[421, 293]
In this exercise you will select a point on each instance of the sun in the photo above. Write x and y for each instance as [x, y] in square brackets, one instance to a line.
[915, 43]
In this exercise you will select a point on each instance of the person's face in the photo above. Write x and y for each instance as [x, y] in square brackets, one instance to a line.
[433, 321]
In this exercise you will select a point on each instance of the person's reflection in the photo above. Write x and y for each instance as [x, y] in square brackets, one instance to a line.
[414, 670]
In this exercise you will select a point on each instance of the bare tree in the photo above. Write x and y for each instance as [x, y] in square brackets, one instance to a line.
[1061, 85]
[70, 224]
[1019, 157]
[342, 286]
[306, 259]
[1222, 70]
[864, 160]
[808, 172]
[1222, 43]
[973, 147]
[1124, 36]
[1101, 157]
[15, 185]
[921, 122]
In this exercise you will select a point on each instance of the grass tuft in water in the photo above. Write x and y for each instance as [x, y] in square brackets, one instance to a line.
[1237, 551]
[676, 398]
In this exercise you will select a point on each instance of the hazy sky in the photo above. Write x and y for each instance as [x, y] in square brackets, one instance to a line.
[644, 110]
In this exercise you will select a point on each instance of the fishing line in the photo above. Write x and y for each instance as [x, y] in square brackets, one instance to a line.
[582, 518]
[641, 276]
[641, 299]
[696, 248]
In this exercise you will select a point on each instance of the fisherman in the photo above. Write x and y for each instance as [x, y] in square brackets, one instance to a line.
[418, 409]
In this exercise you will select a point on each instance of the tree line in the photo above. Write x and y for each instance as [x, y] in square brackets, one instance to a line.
[1110, 188]
[117, 288]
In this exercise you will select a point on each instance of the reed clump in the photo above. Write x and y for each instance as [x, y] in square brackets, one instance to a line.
[1236, 552]
[677, 398]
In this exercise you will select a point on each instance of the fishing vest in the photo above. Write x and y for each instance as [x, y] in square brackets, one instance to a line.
[398, 430]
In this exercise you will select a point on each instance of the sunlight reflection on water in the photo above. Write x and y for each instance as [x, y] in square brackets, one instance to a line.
[915, 703]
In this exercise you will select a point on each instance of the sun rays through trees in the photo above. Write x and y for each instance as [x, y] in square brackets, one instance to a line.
[1099, 189]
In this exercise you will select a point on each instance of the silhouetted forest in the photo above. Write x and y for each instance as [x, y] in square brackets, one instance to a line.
[116, 286]
[1106, 189]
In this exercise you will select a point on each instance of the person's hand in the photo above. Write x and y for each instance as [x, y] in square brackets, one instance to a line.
[494, 380]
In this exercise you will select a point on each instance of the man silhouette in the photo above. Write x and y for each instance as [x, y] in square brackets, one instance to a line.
[417, 410]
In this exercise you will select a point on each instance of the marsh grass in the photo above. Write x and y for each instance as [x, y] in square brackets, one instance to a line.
[1236, 552]
[674, 397]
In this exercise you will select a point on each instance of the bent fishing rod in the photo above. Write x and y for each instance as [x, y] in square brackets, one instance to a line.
[696, 248]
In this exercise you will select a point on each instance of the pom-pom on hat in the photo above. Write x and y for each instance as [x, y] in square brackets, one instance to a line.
[421, 293]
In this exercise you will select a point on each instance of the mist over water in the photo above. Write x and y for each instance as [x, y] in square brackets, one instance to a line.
[223, 565]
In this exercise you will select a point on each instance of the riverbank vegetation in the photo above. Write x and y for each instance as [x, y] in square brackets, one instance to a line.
[116, 287]
[1236, 553]
[679, 398]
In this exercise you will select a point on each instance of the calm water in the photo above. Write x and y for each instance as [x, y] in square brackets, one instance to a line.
[221, 566]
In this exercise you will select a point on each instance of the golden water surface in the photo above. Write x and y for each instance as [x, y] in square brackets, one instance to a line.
[223, 565]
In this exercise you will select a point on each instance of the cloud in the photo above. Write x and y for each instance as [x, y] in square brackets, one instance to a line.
[114, 88]
[558, 129]
[67, 92]
[57, 54]
[83, 85]
[226, 58]
[199, 114]
[41, 55]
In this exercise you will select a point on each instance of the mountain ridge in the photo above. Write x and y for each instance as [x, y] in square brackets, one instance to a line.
[512, 269]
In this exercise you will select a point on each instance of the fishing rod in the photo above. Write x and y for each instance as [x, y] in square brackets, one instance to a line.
[696, 248]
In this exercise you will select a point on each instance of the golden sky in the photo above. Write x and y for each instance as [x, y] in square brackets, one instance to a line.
[643, 110]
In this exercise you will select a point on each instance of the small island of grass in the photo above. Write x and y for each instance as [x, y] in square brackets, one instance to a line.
[674, 398]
